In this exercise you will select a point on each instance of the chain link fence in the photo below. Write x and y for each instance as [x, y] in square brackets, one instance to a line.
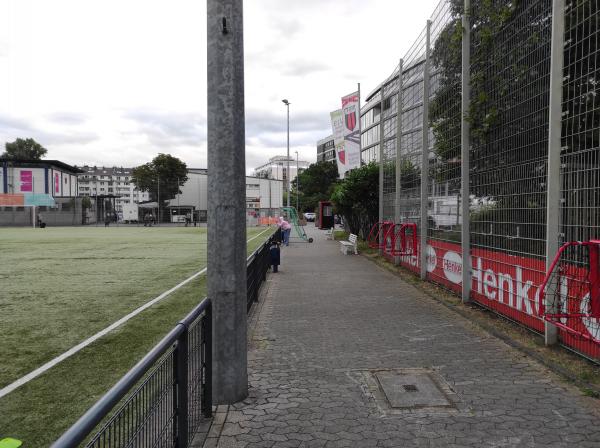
[508, 116]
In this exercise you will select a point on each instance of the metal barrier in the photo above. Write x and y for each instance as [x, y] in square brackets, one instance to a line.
[257, 267]
[163, 398]
[171, 389]
[487, 132]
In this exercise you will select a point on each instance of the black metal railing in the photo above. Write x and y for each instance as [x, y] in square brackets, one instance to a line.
[164, 397]
[171, 391]
[257, 267]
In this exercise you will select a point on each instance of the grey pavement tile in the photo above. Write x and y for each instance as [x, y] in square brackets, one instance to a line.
[331, 316]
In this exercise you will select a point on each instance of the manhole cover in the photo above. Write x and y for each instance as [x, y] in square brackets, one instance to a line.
[411, 390]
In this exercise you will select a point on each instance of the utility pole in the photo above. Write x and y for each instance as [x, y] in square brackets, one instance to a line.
[227, 199]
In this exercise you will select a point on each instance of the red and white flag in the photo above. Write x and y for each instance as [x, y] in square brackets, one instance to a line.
[351, 129]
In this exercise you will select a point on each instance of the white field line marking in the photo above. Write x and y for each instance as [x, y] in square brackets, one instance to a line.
[37, 372]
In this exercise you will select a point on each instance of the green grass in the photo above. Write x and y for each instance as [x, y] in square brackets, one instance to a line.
[62, 285]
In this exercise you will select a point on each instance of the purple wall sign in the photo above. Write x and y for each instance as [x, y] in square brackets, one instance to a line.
[27, 181]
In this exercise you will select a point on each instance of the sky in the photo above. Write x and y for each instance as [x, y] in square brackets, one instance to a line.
[115, 82]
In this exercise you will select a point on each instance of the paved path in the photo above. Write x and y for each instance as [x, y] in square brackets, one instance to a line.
[328, 321]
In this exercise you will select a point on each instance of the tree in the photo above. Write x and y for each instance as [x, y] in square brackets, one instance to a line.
[164, 175]
[316, 184]
[356, 198]
[24, 149]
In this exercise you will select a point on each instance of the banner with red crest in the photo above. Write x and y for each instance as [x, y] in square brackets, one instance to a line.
[337, 128]
[351, 129]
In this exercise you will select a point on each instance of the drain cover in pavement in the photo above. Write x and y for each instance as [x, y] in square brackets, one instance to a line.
[411, 390]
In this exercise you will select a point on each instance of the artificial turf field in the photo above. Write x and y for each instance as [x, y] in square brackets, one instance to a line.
[60, 286]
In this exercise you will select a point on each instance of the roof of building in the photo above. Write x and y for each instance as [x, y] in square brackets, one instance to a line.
[42, 164]
[279, 160]
[264, 178]
[325, 140]
[106, 171]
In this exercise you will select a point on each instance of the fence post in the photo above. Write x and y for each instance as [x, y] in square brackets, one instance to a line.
[180, 401]
[381, 142]
[465, 146]
[554, 145]
[206, 405]
[425, 156]
[398, 154]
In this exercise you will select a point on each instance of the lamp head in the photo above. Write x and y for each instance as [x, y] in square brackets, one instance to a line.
[286, 102]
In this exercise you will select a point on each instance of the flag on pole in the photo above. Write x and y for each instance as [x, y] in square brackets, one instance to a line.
[337, 128]
[351, 129]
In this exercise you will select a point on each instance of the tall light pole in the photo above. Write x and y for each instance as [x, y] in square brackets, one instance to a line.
[287, 104]
[297, 185]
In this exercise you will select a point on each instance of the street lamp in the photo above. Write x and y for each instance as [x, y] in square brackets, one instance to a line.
[297, 186]
[287, 104]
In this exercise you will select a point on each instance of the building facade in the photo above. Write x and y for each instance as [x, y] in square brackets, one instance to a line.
[110, 182]
[326, 150]
[276, 168]
[33, 192]
[49, 177]
[264, 197]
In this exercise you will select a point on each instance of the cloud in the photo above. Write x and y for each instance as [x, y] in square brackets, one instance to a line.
[304, 68]
[259, 121]
[12, 128]
[287, 27]
[67, 118]
[10, 124]
[133, 92]
[169, 129]
[269, 129]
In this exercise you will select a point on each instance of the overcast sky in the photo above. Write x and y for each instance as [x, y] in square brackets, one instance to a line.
[114, 82]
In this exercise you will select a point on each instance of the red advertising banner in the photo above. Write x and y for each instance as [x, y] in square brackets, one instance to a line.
[26, 181]
[9, 200]
[56, 183]
[507, 284]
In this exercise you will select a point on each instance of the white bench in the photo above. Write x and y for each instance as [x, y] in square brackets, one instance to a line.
[349, 245]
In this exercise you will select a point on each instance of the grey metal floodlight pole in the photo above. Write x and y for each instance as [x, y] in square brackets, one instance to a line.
[297, 185]
[227, 199]
[287, 104]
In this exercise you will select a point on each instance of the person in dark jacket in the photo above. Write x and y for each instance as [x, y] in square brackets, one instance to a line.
[275, 255]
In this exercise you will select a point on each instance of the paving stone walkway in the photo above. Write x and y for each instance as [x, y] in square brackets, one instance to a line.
[329, 324]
